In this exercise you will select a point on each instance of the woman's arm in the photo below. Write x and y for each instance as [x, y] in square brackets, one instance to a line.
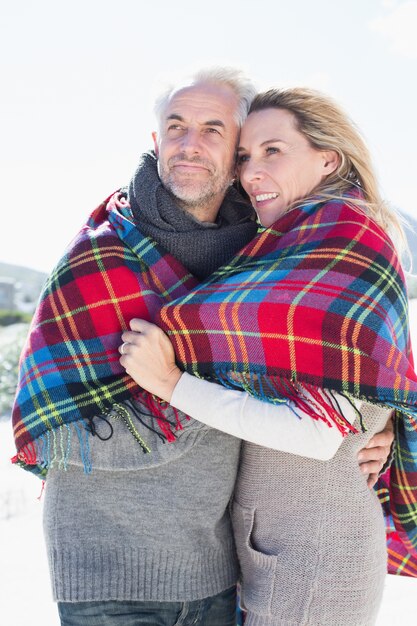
[276, 426]
[148, 356]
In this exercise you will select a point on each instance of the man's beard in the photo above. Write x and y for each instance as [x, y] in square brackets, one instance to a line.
[192, 194]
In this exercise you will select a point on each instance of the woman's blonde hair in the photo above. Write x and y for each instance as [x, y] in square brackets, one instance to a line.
[327, 127]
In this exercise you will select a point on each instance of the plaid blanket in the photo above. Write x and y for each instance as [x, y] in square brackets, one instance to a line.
[316, 301]
[69, 368]
[401, 561]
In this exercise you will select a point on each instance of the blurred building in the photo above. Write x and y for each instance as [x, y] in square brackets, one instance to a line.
[7, 293]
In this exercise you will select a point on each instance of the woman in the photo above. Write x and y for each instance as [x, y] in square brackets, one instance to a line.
[312, 315]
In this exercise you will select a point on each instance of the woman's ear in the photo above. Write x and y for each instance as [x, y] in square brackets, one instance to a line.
[331, 161]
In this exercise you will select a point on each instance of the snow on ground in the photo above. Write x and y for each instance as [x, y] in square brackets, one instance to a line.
[25, 595]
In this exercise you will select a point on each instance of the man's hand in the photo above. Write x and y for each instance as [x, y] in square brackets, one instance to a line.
[373, 457]
[149, 358]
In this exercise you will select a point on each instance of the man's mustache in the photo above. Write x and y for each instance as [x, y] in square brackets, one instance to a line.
[197, 160]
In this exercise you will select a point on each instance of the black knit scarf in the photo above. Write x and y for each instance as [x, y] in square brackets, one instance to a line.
[200, 247]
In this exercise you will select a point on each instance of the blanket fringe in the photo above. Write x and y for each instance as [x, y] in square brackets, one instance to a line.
[161, 411]
[54, 448]
[317, 403]
[120, 411]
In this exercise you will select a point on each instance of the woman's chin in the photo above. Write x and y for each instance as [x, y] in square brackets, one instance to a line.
[267, 218]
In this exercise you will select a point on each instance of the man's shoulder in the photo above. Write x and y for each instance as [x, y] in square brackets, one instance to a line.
[95, 244]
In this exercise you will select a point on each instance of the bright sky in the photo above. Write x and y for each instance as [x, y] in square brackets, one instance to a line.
[78, 81]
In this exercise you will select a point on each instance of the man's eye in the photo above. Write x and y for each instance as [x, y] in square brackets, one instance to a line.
[213, 130]
[175, 127]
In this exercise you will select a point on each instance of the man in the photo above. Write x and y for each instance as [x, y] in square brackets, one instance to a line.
[146, 538]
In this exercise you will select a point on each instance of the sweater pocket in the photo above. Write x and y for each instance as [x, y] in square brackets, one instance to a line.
[257, 569]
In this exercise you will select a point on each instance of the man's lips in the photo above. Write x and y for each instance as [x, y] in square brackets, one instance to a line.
[190, 166]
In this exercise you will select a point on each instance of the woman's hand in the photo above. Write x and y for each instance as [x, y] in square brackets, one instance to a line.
[149, 358]
[373, 458]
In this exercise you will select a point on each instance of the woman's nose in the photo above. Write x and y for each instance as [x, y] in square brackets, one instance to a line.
[250, 172]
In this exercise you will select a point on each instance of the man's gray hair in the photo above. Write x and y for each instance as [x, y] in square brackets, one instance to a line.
[227, 76]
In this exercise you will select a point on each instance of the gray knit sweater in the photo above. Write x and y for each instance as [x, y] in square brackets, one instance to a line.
[144, 526]
[310, 536]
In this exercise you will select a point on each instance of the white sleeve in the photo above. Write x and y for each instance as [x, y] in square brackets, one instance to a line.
[271, 425]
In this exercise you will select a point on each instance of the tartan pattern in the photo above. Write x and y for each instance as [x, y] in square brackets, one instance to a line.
[69, 367]
[400, 560]
[316, 301]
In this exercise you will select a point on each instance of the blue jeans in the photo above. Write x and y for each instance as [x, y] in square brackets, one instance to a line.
[219, 610]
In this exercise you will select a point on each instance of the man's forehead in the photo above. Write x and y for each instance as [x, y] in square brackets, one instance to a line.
[207, 100]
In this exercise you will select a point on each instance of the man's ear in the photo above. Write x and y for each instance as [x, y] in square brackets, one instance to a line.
[331, 161]
[155, 143]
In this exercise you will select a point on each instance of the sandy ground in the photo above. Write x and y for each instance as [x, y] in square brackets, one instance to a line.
[25, 596]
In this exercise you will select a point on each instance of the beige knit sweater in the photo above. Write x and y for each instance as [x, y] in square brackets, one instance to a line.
[310, 536]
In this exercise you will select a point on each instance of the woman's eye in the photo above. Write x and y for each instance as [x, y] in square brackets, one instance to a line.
[242, 158]
[272, 150]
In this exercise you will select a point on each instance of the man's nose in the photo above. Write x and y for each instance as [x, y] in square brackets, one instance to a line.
[191, 142]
